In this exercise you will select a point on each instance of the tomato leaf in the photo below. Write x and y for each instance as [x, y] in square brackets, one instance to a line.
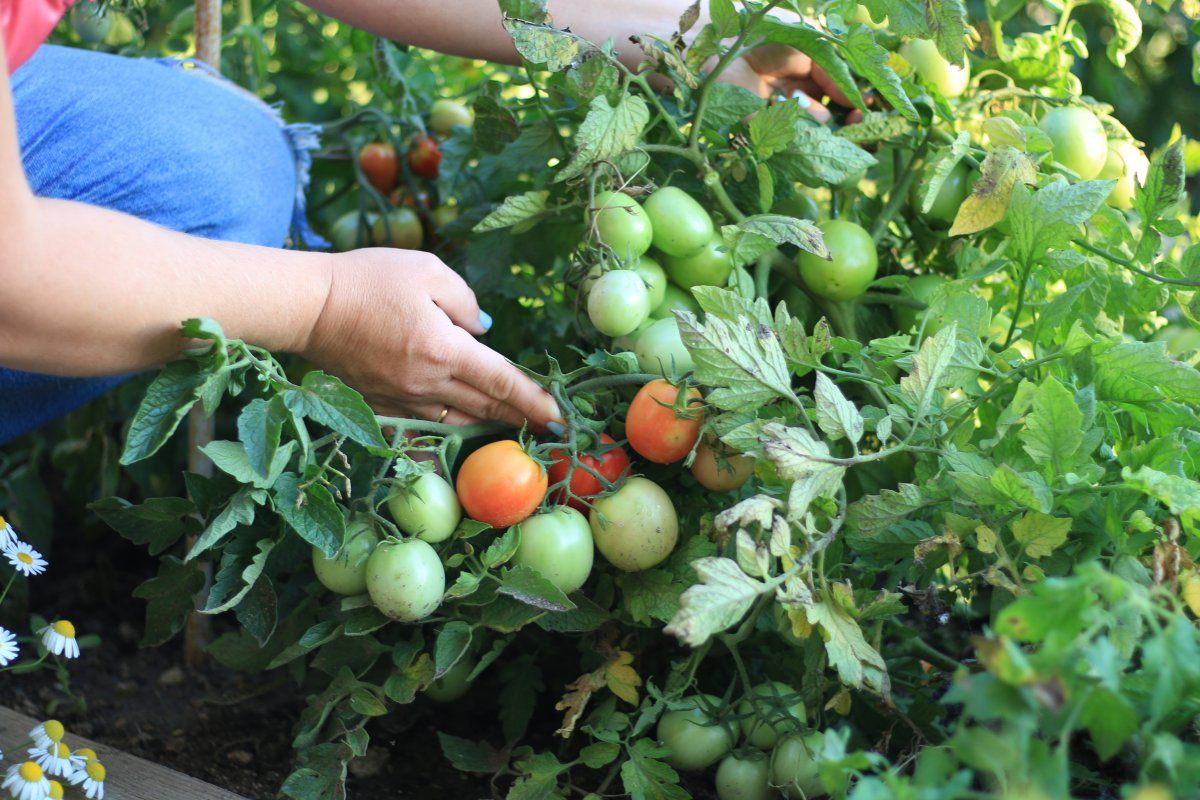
[722, 597]
[606, 133]
[526, 584]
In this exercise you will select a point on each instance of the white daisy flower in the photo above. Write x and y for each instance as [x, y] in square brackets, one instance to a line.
[54, 760]
[81, 757]
[57, 792]
[8, 647]
[92, 777]
[27, 782]
[59, 638]
[8, 537]
[49, 732]
[26, 560]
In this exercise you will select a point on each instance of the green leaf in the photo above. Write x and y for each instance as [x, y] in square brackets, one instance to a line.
[453, 641]
[599, 754]
[731, 305]
[1179, 494]
[532, 588]
[237, 575]
[722, 597]
[944, 21]
[495, 125]
[817, 46]
[779, 229]
[800, 457]
[259, 427]
[747, 369]
[1142, 372]
[1126, 29]
[1024, 489]
[772, 129]
[1048, 218]
[502, 548]
[167, 401]
[942, 167]
[928, 369]
[318, 634]
[1110, 719]
[320, 773]
[857, 663]
[469, 756]
[335, 405]
[1053, 431]
[315, 516]
[646, 777]
[728, 105]
[836, 416]
[170, 597]
[1164, 186]
[606, 133]
[817, 156]
[873, 513]
[515, 209]
[159, 522]
[870, 60]
[1041, 534]
[240, 510]
[649, 595]
[232, 459]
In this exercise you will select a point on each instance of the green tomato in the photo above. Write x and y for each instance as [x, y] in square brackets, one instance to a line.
[622, 224]
[1079, 141]
[346, 572]
[798, 303]
[696, 740]
[406, 579]
[794, 768]
[772, 710]
[635, 527]
[88, 24]
[453, 684]
[401, 228]
[745, 777]
[1180, 340]
[945, 205]
[675, 298]
[681, 225]
[798, 205]
[654, 277]
[923, 288]
[863, 15]
[950, 80]
[629, 340]
[445, 114]
[660, 349]
[344, 234]
[618, 302]
[851, 268]
[708, 266]
[428, 508]
[558, 544]
[1127, 165]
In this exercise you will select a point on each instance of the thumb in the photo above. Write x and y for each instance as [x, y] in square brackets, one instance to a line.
[453, 296]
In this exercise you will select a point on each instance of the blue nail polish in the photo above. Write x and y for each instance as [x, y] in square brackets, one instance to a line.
[803, 100]
[485, 321]
[556, 428]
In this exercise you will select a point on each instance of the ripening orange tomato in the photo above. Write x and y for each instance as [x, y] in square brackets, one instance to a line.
[379, 164]
[654, 429]
[501, 484]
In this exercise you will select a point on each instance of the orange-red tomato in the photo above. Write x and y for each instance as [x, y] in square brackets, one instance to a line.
[500, 484]
[378, 162]
[583, 484]
[424, 156]
[720, 470]
[655, 431]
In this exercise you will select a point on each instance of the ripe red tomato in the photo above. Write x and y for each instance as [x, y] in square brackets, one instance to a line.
[500, 484]
[610, 464]
[424, 156]
[654, 429]
[378, 162]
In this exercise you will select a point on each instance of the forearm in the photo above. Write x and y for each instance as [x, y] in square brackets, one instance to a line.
[86, 291]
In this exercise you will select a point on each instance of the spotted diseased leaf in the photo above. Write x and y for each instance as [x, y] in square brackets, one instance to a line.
[780, 229]
[837, 416]
[857, 663]
[1002, 169]
[731, 305]
[1041, 534]
[621, 678]
[1164, 184]
[722, 597]
[742, 360]
[875, 512]
[606, 133]
[545, 45]
[514, 210]
[532, 588]
[805, 460]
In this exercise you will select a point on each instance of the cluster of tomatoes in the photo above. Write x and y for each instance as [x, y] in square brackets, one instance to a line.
[381, 168]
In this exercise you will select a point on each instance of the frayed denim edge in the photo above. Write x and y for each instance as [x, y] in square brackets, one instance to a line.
[303, 138]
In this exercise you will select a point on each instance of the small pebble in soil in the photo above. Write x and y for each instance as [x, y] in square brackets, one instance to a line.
[172, 676]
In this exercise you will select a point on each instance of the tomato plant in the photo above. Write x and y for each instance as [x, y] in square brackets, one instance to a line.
[681, 225]
[580, 483]
[695, 738]
[709, 266]
[622, 225]
[618, 302]
[744, 777]
[1078, 137]
[426, 508]
[346, 572]
[851, 266]
[405, 579]
[659, 428]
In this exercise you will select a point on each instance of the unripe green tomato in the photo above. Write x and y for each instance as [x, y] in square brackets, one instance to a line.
[1180, 340]
[654, 277]
[852, 265]
[794, 768]
[923, 288]
[695, 740]
[400, 228]
[950, 80]
[708, 266]
[1079, 141]
[558, 544]
[406, 579]
[344, 234]
[428, 508]
[681, 225]
[863, 16]
[123, 30]
[745, 777]
[636, 527]
[1153, 791]
[660, 349]
[618, 302]
[453, 684]
[798, 205]
[443, 215]
[622, 224]
[798, 303]
[945, 205]
[773, 710]
[346, 572]
[88, 24]
[675, 298]
[1127, 165]
[629, 340]
[445, 114]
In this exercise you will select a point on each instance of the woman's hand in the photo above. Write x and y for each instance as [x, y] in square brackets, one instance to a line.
[400, 327]
[776, 70]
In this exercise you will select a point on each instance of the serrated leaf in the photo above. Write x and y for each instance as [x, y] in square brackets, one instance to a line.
[606, 132]
[836, 416]
[722, 597]
[515, 209]
[259, 427]
[857, 663]
[453, 642]
[546, 45]
[772, 129]
[873, 513]
[649, 595]
[1180, 495]
[1002, 169]
[870, 60]
[1041, 534]
[1048, 218]
[1053, 432]
[170, 597]
[159, 522]
[325, 399]
[817, 156]
[1127, 29]
[646, 777]
[312, 514]
[532, 588]
[166, 402]
[743, 360]
[928, 369]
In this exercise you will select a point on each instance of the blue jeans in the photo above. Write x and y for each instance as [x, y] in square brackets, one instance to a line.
[164, 141]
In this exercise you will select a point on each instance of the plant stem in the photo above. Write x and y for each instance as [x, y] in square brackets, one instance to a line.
[607, 381]
[463, 431]
[1129, 265]
[932, 654]
[899, 192]
[541, 104]
[892, 300]
[1026, 269]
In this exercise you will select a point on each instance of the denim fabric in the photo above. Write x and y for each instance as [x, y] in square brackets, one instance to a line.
[164, 141]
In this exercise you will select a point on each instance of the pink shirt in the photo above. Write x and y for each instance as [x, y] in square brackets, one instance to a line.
[26, 24]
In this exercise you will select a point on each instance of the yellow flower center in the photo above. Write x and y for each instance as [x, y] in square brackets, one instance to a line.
[56, 791]
[60, 750]
[86, 752]
[24, 558]
[54, 730]
[64, 628]
[3, 521]
[96, 771]
[30, 772]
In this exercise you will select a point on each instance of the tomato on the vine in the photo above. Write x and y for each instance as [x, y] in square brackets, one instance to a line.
[426, 508]
[444, 114]
[622, 224]
[1127, 165]
[950, 196]
[654, 429]
[635, 527]
[675, 298]
[852, 265]
[611, 464]
[711, 265]
[344, 234]
[346, 572]
[795, 769]
[453, 684]
[799, 205]
[659, 349]
[401, 227]
[558, 544]
[654, 277]
[694, 738]
[719, 470]
[744, 776]
[923, 288]
[618, 302]
[443, 215]
[772, 710]
[500, 484]
[424, 156]
[1079, 141]
[379, 165]
[406, 579]
[950, 80]
[681, 225]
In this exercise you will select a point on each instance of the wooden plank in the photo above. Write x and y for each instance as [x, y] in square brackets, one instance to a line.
[129, 777]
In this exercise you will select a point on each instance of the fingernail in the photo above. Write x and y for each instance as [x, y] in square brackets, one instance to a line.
[556, 428]
[804, 100]
[485, 321]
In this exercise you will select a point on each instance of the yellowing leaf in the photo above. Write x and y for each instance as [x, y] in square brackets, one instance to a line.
[1003, 168]
[622, 678]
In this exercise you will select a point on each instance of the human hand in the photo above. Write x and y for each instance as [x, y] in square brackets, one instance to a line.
[400, 327]
[776, 70]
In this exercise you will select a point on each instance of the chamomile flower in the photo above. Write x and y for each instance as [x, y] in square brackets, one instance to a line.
[8, 537]
[54, 760]
[27, 782]
[92, 777]
[49, 732]
[81, 757]
[26, 560]
[57, 792]
[59, 638]
[8, 647]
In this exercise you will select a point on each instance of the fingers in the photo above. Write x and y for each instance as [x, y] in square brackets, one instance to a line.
[779, 61]
[453, 416]
[800, 91]
[453, 296]
[822, 79]
[513, 396]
